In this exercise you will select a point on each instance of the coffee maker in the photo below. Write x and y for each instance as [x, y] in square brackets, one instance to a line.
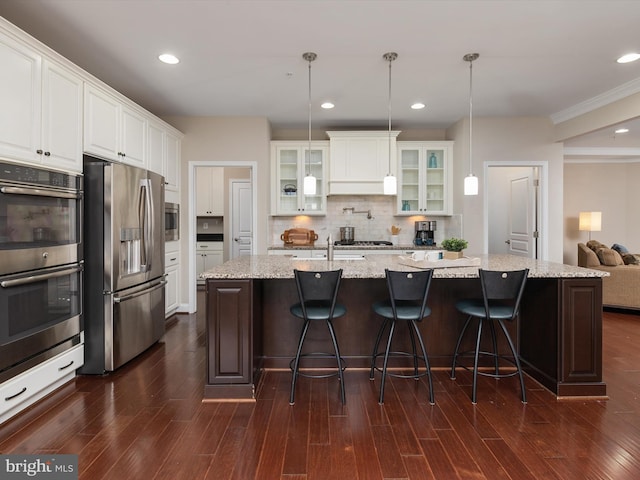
[424, 232]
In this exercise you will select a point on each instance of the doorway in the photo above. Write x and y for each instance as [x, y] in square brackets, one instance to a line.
[515, 209]
[247, 171]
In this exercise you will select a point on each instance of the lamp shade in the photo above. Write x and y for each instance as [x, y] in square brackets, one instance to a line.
[309, 186]
[390, 185]
[471, 185]
[590, 221]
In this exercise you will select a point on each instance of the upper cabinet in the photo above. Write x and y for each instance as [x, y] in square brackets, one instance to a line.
[163, 152]
[290, 163]
[359, 161]
[425, 178]
[210, 192]
[112, 129]
[41, 113]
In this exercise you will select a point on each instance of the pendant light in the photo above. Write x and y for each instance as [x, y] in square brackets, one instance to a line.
[470, 181]
[390, 186]
[309, 186]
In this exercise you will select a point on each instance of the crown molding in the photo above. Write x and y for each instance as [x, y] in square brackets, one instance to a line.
[596, 102]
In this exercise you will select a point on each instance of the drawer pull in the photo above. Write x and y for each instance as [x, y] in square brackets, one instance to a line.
[24, 389]
[173, 259]
[65, 366]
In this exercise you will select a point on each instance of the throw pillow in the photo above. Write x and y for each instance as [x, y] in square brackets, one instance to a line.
[631, 259]
[609, 257]
[595, 245]
[621, 249]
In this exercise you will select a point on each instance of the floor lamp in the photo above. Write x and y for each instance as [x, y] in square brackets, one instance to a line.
[591, 222]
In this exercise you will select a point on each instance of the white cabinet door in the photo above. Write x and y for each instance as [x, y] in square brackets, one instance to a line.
[61, 117]
[133, 140]
[425, 180]
[290, 163]
[20, 100]
[172, 288]
[101, 123]
[210, 191]
[172, 162]
[156, 149]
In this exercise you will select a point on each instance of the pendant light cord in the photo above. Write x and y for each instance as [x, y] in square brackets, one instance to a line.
[309, 57]
[470, 57]
[391, 56]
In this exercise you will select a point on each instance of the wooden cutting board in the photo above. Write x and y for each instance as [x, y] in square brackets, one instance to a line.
[299, 236]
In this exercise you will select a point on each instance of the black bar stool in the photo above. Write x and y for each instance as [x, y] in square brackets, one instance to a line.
[318, 292]
[407, 303]
[501, 292]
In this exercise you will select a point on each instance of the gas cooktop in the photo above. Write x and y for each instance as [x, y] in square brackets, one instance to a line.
[361, 243]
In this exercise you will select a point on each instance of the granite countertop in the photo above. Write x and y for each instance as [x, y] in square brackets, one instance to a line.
[323, 246]
[282, 266]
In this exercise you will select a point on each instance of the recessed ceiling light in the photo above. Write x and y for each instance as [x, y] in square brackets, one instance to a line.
[168, 58]
[629, 57]
[418, 106]
[622, 130]
[327, 105]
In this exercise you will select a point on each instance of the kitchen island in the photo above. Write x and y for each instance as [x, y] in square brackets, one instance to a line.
[249, 327]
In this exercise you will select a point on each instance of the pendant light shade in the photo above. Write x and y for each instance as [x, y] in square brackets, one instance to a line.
[390, 185]
[309, 185]
[471, 181]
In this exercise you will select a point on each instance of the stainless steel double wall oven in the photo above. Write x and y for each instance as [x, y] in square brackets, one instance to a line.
[41, 265]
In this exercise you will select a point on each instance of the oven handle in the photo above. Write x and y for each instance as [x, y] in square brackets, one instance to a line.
[142, 292]
[40, 192]
[39, 278]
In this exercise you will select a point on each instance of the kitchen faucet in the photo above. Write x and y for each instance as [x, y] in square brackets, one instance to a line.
[351, 210]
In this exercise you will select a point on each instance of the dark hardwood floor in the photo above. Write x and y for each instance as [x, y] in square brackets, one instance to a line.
[147, 421]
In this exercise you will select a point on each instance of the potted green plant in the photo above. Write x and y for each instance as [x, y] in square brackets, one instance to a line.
[454, 247]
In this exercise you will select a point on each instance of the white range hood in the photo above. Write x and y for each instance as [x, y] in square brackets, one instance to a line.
[359, 161]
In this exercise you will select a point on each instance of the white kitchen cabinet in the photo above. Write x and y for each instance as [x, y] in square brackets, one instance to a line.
[163, 152]
[28, 387]
[290, 163]
[425, 178]
[208, 255]
[113, 129]
[359, 161]
[41, 113]
[210, 192]
[172, 271]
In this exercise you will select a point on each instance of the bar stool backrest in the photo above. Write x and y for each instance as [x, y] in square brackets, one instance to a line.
[506, 286]
[318, 288]
[409, 287]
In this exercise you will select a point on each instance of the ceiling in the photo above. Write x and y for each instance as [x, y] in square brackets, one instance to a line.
[244, 58]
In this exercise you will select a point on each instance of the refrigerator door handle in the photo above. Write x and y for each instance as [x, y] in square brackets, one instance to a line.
[145, 214]
[161, 284]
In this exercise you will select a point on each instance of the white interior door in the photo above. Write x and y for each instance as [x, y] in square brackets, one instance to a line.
[513, 211]
[241, 218]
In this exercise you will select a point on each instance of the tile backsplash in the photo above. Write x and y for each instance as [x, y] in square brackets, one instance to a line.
[377, 228]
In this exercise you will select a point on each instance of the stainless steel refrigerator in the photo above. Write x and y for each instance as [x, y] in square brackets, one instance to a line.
[124, 263]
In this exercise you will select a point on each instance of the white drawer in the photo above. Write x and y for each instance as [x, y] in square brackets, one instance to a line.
[171, 259]
[30, 386]
[213, 246]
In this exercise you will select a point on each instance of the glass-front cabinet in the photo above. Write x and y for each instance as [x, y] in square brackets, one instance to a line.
[290, 163]
[424, 185]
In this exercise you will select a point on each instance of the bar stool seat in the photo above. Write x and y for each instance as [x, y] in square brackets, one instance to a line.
[500, 302]
[318, 293]
[407, 303]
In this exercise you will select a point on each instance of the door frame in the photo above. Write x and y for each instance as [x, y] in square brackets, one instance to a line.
[542, 202]
[191, 248]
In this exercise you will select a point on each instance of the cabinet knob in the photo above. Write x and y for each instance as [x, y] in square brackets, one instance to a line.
[47, 154]
[39, 152]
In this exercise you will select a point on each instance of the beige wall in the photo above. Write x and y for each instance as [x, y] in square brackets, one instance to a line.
[610, 188]
[223, 139]
[509, 140]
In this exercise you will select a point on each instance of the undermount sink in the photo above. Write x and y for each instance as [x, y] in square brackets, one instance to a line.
[335, 258]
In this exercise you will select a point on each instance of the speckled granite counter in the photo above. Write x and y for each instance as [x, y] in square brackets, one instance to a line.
[249, 327]
[281, 266]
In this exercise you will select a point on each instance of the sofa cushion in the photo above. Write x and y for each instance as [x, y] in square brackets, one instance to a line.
[621, 249]
[631, 259]
[595, 245]
[586, 257]
[609, 257]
